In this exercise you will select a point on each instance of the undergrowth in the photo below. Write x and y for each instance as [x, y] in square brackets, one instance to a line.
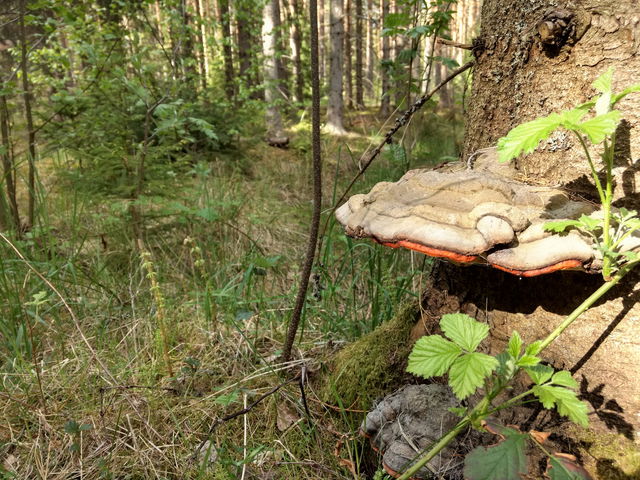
[90, 396]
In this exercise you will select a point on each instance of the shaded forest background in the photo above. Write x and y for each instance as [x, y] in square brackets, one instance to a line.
[154, 206]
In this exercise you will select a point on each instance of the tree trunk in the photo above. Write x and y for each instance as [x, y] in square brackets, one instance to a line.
[335, 110]
[322, 15]
[359, 64]
[516, 80]
[348, 67]
[272, 96]
[31, 135]
[246, 16]
[371, 49]
[8, 165]
[385, 101]
[224, 18]
[203, 61]
[296, 49]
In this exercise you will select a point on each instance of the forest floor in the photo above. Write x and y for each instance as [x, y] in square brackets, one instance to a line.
[88, 389]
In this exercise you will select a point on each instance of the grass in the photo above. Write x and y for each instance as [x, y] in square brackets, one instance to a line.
[225, 238]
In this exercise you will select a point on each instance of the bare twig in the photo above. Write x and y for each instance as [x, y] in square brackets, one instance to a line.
[451, 43]
[400, 122]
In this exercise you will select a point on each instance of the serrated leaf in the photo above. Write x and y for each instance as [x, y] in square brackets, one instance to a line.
[565, 401]
[559, 226]
[458, 411]
[604, 82]
[569, 118]
[463, 330]
[600, 127]
[565, 467]
[564, 379]
[619, 96]
[468, 373]
[533, 348]
[526, 137]
[528, 361]
[432, 356]
[539, 374]
[506, 365]
[503, 461]
[515, 345]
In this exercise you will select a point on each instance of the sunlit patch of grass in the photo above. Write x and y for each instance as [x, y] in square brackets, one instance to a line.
[226, 237]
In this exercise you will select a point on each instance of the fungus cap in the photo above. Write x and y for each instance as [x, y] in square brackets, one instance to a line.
[471, 216]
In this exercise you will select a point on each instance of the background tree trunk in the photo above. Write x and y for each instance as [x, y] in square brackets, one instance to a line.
[224, 17]
[517, 80]
[348, 63]
[335, 110]
[385, 101]
[275, 129]
[359, 64]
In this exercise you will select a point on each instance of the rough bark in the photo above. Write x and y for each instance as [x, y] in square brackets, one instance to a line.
[335, 110]
[203, 63]
[518, 79]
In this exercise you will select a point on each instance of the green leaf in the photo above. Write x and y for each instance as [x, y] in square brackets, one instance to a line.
[503, 461]
[600, 127]
[560, 467]
[526, 137]
[515, 345]
[432, 356]
[466, 332]
[228, 398]
[506, 365]
[458, 411]
[619, 96]
[564, 379]
[469, 371]
[528, 361]
[539, 374]
[559, 226]
[604, 82]
[565, 401]
[533, 348]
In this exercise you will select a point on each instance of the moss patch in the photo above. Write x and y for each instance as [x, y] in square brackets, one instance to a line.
[607, 456]
[369, 367]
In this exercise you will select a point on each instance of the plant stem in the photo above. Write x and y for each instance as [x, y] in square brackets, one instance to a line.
[480, 411]
[593, 298]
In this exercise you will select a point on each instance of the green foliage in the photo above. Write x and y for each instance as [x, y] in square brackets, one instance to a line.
[609, 229]
[433, 355]
[504, 461]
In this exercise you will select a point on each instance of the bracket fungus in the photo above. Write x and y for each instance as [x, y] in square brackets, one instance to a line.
[407, 421]
[473, 216]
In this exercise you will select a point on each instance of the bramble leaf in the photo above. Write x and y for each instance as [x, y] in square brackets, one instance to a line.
[619, 96]
[565, 400]
[604, 82]
[528, 361]
[564, 378]
[526, 136]
[466, 332]
[565, 467]
[504, 461]
[533, 348]
[515, 345]
[598, 128]
[432, 356]
[560, 226]
[506, 365]
[469, 371]
[539, 374]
